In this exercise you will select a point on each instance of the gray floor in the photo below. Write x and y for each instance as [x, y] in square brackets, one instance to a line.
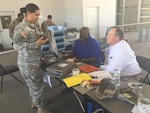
[15, 97]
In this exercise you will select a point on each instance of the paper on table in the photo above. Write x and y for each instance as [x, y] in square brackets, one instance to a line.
[75, 80]
[135, 109]
[99, 75]
[70, 59]
[52, 60]
[47, 79]
[62, 65]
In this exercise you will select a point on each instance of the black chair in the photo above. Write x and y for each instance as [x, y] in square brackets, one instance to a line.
[8, 70]
[144, 64]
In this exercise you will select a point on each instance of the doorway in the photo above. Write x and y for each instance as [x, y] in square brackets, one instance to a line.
[93, 21]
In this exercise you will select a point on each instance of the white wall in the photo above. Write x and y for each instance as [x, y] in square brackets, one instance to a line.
[75, 12]
[72, 12]
[53, 7]
[107, 12]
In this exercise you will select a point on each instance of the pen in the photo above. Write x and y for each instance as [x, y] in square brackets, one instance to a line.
[94, 77]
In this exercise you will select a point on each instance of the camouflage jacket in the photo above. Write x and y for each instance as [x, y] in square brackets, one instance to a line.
[45, 24]
[28, 51]
[12, 26]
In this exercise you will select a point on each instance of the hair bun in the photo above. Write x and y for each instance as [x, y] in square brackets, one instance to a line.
[23, 10]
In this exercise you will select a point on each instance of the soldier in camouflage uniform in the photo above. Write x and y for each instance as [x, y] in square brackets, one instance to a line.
[27, 41]
[46, 23]
[14, 23]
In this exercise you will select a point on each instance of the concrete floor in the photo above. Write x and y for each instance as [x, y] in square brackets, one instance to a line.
[15, 97]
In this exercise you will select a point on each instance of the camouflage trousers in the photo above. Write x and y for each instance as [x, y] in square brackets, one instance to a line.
[32, 75]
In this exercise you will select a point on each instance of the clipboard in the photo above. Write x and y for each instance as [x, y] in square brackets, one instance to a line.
[76, 80]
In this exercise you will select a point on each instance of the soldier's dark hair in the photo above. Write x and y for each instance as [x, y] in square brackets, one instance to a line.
[23, 10]
[29, 7]
[119, 32]
[86, 29]
[20, 14]
[49, 16]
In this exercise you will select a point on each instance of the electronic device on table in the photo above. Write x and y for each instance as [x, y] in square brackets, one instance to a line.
[55, 66]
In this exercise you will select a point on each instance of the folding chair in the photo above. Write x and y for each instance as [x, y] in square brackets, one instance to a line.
[144, 64]
[8, 70]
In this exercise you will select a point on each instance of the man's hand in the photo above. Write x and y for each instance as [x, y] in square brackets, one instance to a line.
[70, 55]
[78, 60]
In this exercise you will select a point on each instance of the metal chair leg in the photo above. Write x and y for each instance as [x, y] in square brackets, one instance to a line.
[1, 84]
[16, 78]
[146, 78]
[81, 105]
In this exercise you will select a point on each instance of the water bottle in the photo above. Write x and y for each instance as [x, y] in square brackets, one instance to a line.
[116, 76]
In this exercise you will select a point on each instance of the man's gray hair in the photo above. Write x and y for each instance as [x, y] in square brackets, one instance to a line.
[119, 32]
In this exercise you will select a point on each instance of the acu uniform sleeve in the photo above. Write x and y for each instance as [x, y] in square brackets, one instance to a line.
[21, 42]
[43, 27]
[11, 29]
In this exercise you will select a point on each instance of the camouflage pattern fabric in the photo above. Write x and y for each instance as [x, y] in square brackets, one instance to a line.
[12, 26]
[29, 55]
[45, 24]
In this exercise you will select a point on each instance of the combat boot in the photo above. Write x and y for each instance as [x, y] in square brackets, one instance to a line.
[42, 110]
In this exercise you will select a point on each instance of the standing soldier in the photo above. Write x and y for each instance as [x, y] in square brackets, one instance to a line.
[46, 23]
[14, 23]
[27, 40]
